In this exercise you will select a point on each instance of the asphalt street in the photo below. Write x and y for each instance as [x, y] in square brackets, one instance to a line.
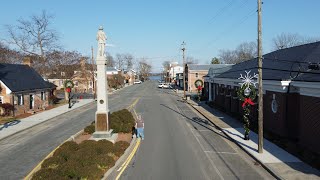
[181, 144]
[21, 152]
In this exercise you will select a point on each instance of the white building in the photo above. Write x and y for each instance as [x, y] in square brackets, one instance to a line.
[175, 68]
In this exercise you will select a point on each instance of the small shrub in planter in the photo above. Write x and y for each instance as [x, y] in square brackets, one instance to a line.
[47, 174]
[120, 147]
[53, 162]
[66, 150]
[104, 147]
[122, 121]
[7, 109]
[90, 172]
[90, 129]
[104, 162]
[115, 123]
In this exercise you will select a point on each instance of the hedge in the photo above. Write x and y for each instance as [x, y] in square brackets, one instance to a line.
[88, 160]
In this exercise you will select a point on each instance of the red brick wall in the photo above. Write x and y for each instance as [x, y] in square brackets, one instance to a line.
[275, 122]
[310, 122]
[38, 103]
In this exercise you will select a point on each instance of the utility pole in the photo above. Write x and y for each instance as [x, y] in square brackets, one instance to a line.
[184, 71]
[93, 82]
[260, 101]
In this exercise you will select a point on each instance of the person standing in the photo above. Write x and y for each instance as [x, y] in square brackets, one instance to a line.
[140, 126]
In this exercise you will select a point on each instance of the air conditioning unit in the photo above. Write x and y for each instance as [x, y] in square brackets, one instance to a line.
[15, 102]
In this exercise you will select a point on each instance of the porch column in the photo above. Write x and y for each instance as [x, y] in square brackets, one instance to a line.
[210, 98]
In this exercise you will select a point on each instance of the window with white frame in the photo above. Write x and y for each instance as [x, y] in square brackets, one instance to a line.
[20, 99]
[43, 96]
[1, 99]
[196, 75]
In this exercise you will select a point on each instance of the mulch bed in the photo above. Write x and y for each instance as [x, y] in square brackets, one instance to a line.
[121, 137]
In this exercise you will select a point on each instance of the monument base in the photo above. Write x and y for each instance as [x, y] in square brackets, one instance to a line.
[107, 135]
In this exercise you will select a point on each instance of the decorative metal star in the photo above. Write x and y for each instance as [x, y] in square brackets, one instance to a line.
[248, 80]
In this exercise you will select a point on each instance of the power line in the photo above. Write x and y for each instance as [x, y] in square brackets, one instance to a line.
[230, 29]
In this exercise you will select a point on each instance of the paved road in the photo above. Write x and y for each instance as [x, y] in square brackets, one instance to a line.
[180, 144]
[21, 152]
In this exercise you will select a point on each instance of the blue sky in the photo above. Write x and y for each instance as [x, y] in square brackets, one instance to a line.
[156, 29]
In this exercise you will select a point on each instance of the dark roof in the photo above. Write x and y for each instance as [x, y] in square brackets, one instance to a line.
[215, 71]
[199, 67]
[21, 78]
[285, 64]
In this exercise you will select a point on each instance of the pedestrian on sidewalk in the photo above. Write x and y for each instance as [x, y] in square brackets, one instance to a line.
[140, 126]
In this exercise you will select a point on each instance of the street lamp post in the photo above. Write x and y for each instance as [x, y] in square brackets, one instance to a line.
[184, 71]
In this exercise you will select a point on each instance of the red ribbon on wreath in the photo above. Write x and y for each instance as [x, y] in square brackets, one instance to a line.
[247, 101]
[68, 89]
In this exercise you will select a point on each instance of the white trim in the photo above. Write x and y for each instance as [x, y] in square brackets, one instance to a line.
[8, 91]
[268, 85]
[307, 88]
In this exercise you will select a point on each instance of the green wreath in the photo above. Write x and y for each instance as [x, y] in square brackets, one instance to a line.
[68, 82]
[197, 82]
[252, 95]
[247, 101]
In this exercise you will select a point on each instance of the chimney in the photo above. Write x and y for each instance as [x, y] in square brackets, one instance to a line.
[27, 61]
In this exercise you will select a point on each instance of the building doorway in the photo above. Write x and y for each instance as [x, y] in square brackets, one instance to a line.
[31, 101]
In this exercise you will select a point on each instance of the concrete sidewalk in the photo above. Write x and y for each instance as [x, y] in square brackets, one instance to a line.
[18, 125]
[277, 161]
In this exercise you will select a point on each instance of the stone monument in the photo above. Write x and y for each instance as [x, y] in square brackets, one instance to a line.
[102, 129]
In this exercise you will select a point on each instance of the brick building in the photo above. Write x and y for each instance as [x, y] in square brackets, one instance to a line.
[291, 93]
[24, 88]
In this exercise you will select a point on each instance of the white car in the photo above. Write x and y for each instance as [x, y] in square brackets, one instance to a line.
[137, 82]
[163, 85]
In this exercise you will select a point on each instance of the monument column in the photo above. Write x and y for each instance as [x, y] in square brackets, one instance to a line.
[102, 129]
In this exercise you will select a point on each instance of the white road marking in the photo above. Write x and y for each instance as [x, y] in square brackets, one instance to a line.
[220, 152]
[215, 168]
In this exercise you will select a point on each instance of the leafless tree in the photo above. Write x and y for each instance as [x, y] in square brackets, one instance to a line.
[144, 69]
[34, 36]
[166, 65]
[244, 51]
[9, 56]
[120, 61]
[63, 61]
[124, 61]
[128, 61]
[286, 40]
[110, 60]
[228, 56]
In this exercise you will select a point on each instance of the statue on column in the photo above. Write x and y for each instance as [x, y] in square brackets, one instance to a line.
[101, 38]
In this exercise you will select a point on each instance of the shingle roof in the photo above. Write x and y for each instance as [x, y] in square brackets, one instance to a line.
[21, 78]
[206, 67]
[284, 64]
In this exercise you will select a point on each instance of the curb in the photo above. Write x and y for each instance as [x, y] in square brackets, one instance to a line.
[121, 159]
[44, 121]
[266, 167]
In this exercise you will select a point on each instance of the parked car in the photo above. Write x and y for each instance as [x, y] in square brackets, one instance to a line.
[137, 82]
[163, 85]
